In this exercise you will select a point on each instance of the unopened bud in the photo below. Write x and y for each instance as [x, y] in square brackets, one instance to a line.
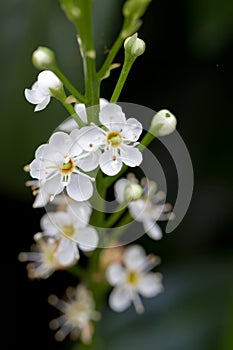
[43, 58]
[134, 46]
[48, 81]
[133, 192]
[163, 123]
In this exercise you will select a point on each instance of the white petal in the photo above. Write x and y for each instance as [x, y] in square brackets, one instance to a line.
[68, 125]
[130, 156]
[134, 257]
[87, 238]
[47, 224]
[80, 109]
[150, 285]
[91, 138]
[42, 104]
[67, 252]
[54, 186]
[47, 79]
[90, 162]
[61, 141]
[36, 170]
[103, 102]
[112, 116]
[119, 189]
[80, 188]
[115, 274]
[80, 212]
[108, 165]
[132, 130]
[119, 299]
[138, 209]
[34, 96]
[41, 199]
[153, 230]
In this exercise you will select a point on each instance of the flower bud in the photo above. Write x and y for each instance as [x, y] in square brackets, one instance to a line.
[133, 192]
[43, 58]
[163, 123]
[134, 46]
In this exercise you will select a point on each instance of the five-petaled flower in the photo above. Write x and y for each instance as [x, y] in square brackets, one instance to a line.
[117, 139]
[71, 226]
[57, 166]
[132, 279]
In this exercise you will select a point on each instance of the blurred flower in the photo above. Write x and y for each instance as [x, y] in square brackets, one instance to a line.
[148, 208]
[43, 58]
[117, 141]
[71, 226]
[46, 256]
[40, 92]
[78, 313]
[132, 279]
[57, 166]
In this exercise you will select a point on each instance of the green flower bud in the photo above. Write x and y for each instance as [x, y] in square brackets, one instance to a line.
[134, 46]
[43, 58]
[133, 192]
[163, 123]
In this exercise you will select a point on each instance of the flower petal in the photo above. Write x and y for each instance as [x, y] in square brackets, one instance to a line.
[46, 80]
[42, 104]
[80, 109]
[108, 165]
[87, 238]
[119, 189]
[152, 229]
[150, 285]
[115, 274]
[134, 257]
[67, 252]
[132, 130]
[119, 299]
[90, 162]
[79, 188]
[130, 156]
[68, 125]
[91, 138]
[80, 212]
[34, 96]
[54, 186]
[112, 116]
[61, 142]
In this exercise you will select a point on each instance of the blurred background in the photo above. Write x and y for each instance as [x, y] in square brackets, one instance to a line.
[187, 68]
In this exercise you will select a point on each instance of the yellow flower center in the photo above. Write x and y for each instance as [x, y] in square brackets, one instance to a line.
[68, 230]
[67, 167]
[114, 138]
[132, 277]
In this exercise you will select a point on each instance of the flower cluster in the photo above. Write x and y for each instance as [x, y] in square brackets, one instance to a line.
[70, 177]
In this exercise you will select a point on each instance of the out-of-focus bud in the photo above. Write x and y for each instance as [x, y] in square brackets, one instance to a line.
[133, 192]
[135, 8]
[43, 58]
[134, 46]
[163, 123]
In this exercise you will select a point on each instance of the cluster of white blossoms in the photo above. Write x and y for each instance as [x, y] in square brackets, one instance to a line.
[62, 175]
[145, 203]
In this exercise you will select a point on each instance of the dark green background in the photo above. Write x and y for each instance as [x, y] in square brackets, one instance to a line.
[187, 68]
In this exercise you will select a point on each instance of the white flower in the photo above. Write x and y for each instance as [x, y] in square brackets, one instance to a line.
[46, 256]
[40, 93]
[117, 141]
[77, 315]
[163, 123]
[57, 166]
[132, 279]
[42, 197]
[148, 208]
[71, 226]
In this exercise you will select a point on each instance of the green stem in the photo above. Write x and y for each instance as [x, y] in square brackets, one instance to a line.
[116, 215]
[128, 62]
[119, 230]
[111, 55]
[69, 86]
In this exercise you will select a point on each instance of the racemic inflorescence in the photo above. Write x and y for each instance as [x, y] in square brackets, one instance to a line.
[70, 178]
